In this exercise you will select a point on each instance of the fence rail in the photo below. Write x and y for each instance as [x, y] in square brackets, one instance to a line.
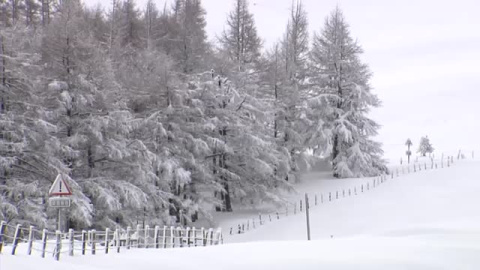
[94, 242]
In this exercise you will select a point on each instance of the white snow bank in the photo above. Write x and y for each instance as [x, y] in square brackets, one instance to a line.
[446, 251]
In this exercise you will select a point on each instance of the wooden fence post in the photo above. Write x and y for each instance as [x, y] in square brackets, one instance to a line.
[321, 198]
[84, 242]
[137, 232]
[211, 236]
[44, 242]
[336, 195]
[71, 242]
[307, 216]
[117, 237]
[278, 216]
[93, 234]
[127, 239]
[172, 237]
[301, 210]
[16, 238]
[315, 199]
[193, 237]
[30, 241]
[164, 237]
[204, 240]
[145, 240]
[219, 238]
[260, 218]
[3, 226]
[180, 235]
[58, 245]
[155, 237]
[207, 237]
[187, 235]
[107, 232]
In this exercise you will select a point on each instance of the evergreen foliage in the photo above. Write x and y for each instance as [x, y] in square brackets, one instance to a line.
[149, 120]
[425, 146]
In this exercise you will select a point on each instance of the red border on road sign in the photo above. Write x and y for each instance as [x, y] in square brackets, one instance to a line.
[67, 193]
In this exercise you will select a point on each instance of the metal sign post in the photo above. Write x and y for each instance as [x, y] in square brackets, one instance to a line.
[57, 199]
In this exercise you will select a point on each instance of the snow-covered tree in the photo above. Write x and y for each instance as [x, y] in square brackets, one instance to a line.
[240, 39]
[295, 43]
[148, 121]
[425, 147]
[341, 80]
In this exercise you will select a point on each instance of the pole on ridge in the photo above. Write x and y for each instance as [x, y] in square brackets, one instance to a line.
[307, 207]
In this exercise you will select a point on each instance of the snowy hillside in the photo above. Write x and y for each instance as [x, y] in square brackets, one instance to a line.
[427, 220]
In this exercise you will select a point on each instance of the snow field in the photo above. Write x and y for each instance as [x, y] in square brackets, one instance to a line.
[441, 199]
[426, 220]
[322, 189]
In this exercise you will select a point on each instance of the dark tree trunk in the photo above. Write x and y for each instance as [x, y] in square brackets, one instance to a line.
[227, 199]
[334, 156]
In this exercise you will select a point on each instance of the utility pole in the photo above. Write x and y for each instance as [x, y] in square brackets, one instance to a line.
[307, 210]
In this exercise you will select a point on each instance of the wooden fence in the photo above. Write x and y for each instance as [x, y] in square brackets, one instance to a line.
[44, 242]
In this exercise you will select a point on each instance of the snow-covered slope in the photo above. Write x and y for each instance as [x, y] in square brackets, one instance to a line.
[427, 220]
[432, 201]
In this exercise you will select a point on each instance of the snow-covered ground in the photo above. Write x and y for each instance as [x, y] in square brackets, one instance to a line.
[426, 220]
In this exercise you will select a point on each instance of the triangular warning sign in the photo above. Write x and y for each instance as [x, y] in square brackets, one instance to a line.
[60, 187]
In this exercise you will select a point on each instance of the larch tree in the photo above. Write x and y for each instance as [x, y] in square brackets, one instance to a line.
[294, 88]
[240, 40]
[25, 168]
[340, 76]
[239, 78]
[193, 36]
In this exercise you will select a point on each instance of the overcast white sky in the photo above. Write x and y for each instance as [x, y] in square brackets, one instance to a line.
[425, 55]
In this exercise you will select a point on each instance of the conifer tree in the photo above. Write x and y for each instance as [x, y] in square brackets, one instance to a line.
[240, 39]
[343, 81]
